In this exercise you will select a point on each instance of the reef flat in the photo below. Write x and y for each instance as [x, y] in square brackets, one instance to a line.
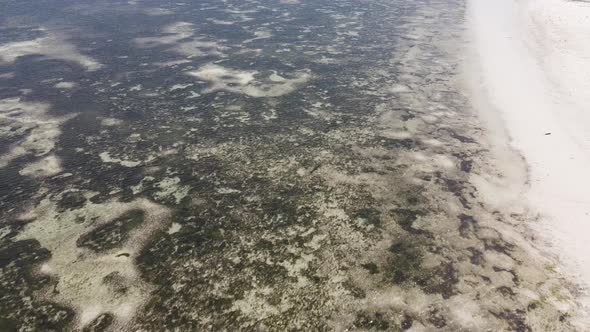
[268, 165]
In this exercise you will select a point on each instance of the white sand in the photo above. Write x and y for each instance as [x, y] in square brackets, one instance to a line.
[533, 58]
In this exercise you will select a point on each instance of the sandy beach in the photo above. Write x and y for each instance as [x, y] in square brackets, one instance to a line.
[533, 64]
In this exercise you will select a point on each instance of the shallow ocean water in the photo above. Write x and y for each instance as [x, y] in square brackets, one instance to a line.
[251, 165]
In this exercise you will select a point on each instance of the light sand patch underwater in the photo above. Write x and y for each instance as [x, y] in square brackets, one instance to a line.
[36, 134]
[107, 158]
[111, 122]
[51, 46]
[171, 188]
[45, 167]
[246, 81]
[65, 85]
[93, 247]
[182, 38]
[260, 34]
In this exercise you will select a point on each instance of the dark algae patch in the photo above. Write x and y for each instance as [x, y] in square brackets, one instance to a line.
[112, 234]
[268, 165]
[99, 324]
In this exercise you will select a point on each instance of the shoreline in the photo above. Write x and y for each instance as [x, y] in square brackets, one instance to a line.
[527, 82]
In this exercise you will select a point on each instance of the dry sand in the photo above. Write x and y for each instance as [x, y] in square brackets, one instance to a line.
[532, 59]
